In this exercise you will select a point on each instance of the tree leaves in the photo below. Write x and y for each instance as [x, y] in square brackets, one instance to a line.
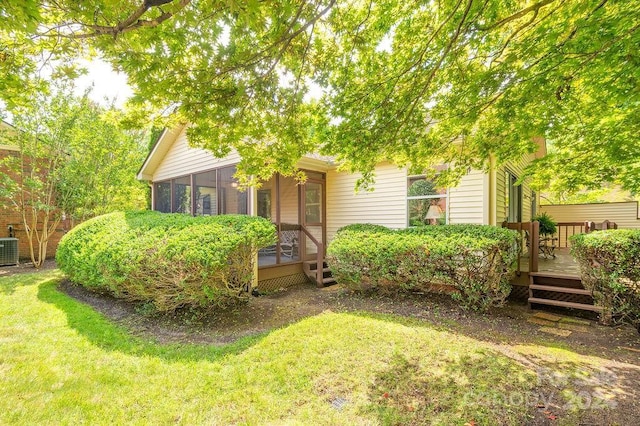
[413, 82]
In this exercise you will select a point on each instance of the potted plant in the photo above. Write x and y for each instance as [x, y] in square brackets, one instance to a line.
[547, 224]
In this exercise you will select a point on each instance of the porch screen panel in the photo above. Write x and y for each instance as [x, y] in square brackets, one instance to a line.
[206, 193]
[162, 197]
[182, 195]
[266, 204]
[289, 235]
[230, 200]
[289, 202]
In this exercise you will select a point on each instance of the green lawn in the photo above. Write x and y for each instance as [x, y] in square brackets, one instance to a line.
[61, 362]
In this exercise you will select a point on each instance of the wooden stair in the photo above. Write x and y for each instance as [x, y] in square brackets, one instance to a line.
[563, 290]
[310, 268]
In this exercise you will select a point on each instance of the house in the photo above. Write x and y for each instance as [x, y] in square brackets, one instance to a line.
[11, 222]
[190, 180]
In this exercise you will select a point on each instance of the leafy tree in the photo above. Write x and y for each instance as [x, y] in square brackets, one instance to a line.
[414, 82]
[556, 194]
[73, 161]
[29, 179]
[103, 158]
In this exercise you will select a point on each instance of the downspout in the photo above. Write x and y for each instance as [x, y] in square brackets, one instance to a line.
[253, 211]
[493, 183]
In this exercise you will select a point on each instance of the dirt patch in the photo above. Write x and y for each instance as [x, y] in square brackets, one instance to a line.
[618, 376]
[26, 267]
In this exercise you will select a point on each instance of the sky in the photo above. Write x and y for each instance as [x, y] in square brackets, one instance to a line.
[107, 84]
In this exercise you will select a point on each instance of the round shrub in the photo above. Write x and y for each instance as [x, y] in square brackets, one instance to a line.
[610, 268]
[169, 260]
[472, 263]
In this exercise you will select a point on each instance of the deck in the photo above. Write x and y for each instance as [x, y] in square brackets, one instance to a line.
[563, 263]
[562, 271]
[553, 281]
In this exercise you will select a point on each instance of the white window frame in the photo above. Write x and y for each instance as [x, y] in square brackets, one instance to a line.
[425, 197]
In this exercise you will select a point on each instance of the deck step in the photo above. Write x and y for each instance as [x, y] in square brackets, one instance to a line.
[557, 275]
[313, 265]
[560, 284]
[560, 303]
[560, 289]
[310, 268]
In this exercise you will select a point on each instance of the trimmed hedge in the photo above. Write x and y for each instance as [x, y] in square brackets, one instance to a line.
[610, 267]
[474, 263]
[169, 260]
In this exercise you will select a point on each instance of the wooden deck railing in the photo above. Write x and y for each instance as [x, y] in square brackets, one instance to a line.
[593, 226]
[566, 229]
[530, 234]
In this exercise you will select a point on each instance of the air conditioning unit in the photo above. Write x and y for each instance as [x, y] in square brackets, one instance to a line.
[8, 251]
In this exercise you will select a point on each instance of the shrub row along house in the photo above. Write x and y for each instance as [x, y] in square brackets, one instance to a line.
[190, 180]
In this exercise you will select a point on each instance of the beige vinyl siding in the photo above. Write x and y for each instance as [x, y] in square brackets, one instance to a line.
[385, 205]
[469, 201]
[181, 160]
[624, 214]
[517, 168]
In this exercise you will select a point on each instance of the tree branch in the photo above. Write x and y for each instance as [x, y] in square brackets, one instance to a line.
[130, 23]
[533, 8]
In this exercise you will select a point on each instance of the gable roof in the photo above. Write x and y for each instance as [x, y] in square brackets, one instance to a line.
[158, 152]
[169, 136]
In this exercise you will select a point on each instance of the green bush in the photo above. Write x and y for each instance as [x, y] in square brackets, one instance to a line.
[363, 227]
[169, 260]
[610, 267]
[473, 263]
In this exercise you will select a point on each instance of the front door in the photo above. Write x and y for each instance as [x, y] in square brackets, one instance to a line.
[313, 212]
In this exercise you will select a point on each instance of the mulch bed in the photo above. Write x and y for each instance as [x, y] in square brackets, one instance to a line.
[25, 267]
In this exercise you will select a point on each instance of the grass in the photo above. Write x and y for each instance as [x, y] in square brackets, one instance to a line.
[63, 363]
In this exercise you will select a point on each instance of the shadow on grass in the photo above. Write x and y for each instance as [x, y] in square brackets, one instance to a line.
[9, 284]
[575, 385]
[585, 391]
[479, 388]
[111, 337]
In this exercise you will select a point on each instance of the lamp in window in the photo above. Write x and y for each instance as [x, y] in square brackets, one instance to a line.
[433, 214]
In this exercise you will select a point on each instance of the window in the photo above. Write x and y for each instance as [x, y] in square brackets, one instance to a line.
[213, 192]
[534, 207]
[426, 204]
[514, 198]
